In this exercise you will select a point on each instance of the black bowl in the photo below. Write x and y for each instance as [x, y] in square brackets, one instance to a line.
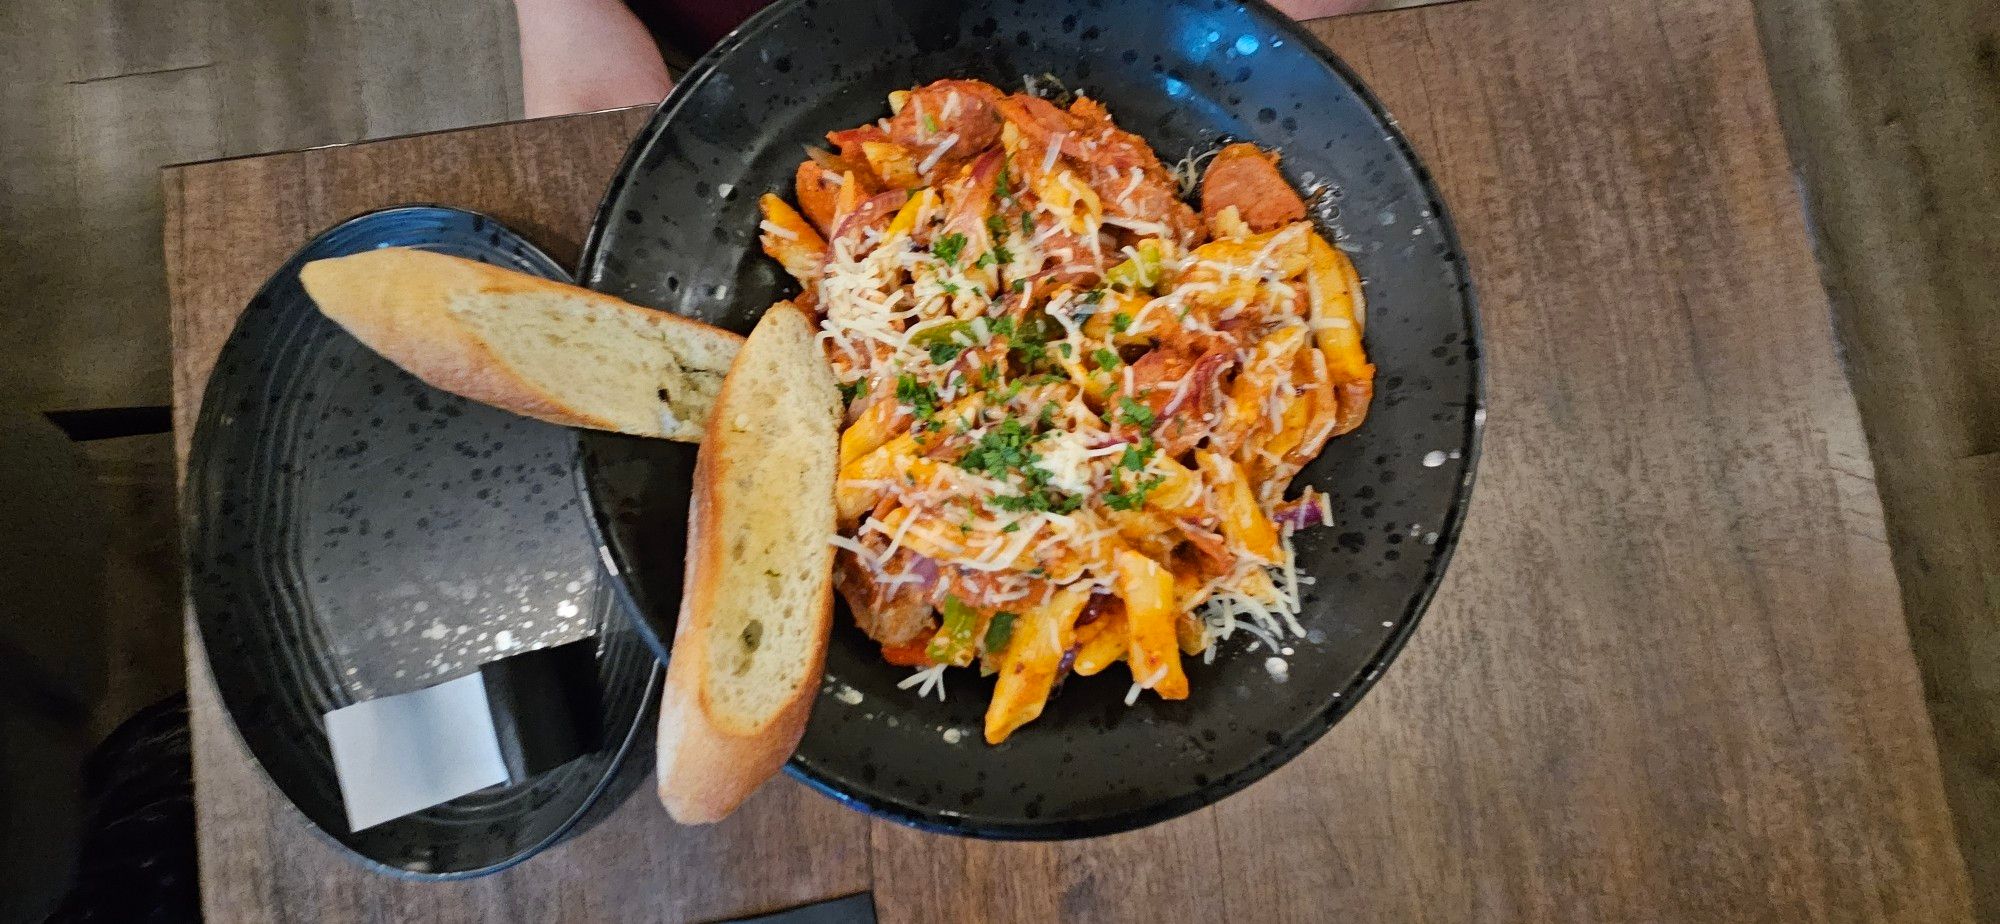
[678, 230]
[354, 533]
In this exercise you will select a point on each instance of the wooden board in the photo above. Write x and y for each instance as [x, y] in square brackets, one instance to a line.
[1892, 119]
[1667, 677]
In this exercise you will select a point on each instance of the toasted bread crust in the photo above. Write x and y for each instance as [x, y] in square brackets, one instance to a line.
[706, 767]
[396, 302]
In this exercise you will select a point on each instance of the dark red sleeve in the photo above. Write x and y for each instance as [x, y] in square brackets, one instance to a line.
[691, 27]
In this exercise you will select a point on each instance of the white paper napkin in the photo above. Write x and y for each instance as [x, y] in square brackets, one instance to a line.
[405, 753]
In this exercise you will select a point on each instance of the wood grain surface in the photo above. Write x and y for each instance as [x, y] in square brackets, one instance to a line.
[1894, 122]
[1666, 679]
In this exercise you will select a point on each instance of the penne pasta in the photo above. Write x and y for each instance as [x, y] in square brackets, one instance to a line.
[1152, 648]
[1028, 668]
[1075, 404]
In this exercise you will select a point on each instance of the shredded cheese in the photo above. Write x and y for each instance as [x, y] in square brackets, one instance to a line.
[860, 551]
[917, 318]
[937, 153]
[926, 680]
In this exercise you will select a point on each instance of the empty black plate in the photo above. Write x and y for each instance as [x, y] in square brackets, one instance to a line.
[354, 533]
[678, 230]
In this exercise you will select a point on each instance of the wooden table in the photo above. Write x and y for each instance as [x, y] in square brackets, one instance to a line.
[1667, 678]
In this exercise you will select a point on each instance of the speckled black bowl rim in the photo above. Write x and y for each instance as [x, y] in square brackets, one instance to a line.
[594, 804]
[1302, 738]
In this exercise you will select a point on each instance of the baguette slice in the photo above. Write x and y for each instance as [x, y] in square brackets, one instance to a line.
[759, 591]
[526, 344]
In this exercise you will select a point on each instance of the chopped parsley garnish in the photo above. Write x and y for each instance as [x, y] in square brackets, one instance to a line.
[948, 247]
[1065, 348]
[950, 288]
[995, 257]
[997, 227]
[942, 353]
[1135, 457]
[919, 397]
[1105, 358]
[1001, 326]
[1004, 183]
[1013, 527]
[999, 631]
[1030, 353]
[1001, 448]
[852, 390]
[1121, 322]
[1027, 223]
[1093, 296]
[1131, 499]
[1014, 503]
[930, 124]
[1134, 413]
[1021, 285]
[1043, 499]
